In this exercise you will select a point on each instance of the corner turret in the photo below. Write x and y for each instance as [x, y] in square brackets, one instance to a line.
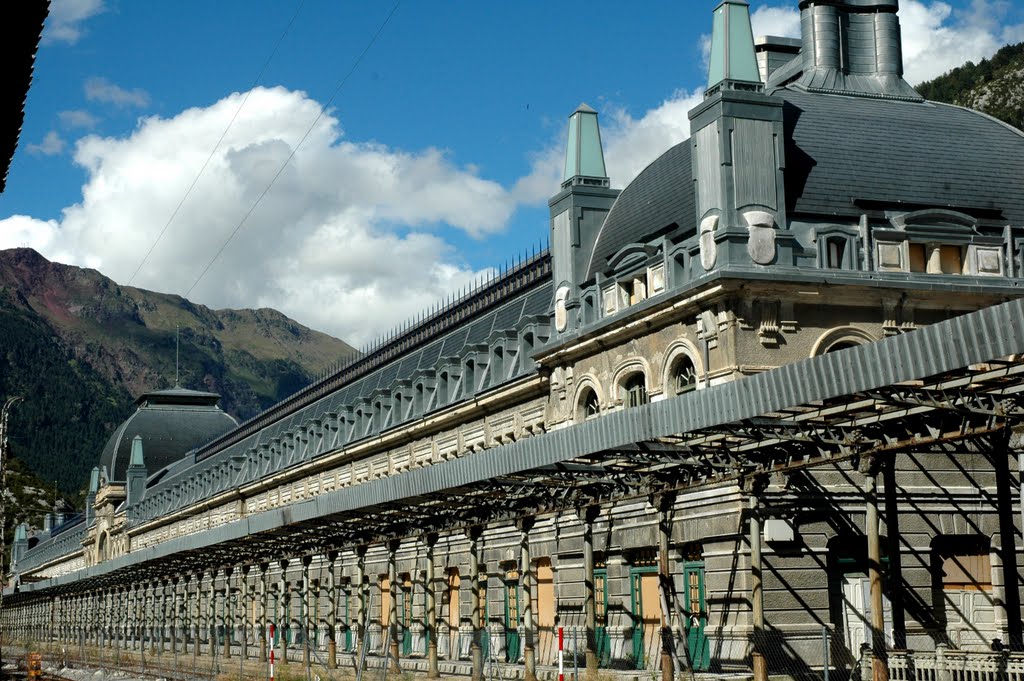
[737, 155]
[137, 474]
[577, 213]
[90, 498]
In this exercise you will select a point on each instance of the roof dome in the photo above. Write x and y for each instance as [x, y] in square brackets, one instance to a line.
[845, 154]
[171, 423]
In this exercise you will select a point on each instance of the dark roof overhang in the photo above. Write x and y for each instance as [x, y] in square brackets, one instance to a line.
[21, 26]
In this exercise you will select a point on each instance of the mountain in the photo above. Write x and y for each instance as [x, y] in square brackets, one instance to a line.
[79, 348]
[994, 86]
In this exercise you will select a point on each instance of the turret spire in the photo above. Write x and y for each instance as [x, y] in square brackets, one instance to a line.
[584, 157]
[732, 61]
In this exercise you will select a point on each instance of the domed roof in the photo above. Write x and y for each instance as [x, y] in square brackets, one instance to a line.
[660, 196]
[171, 423]
[846, 154]
[843, 153]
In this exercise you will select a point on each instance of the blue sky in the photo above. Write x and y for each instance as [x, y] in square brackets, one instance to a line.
[430, 167]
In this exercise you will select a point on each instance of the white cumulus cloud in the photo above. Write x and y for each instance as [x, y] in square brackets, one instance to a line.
[349, 239]
[64, 23]
[936, 38]
[630, 144]
[778, 21]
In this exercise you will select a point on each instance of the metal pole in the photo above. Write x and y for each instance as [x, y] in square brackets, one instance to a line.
[332, 612]
[879, 668]
[756, 594]
[590, 594]
[4, 413]
[432, 671]
[664, 583]
[393, 609]
[475, 651]
[526, 569]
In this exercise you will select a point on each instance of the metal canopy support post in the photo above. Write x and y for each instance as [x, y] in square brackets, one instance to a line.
[186, 624]
[305, 592]
[196, 617]
[879, 667]
[393, 605]
[212, 617]
[526, 570]
[176, 618]
[664, 507]
[587, 517]
[475, 650]
[264, 595]
[361, 588]
[246, 611]
[432, 670]
[226, 614]
[285, 600]
[332, 610]
[760, 665]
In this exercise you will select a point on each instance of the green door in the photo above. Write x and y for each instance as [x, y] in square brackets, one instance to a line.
[512, 618]
[405, 617]
[643, 582]
[695, 610]
[601, 611]
[346, 625]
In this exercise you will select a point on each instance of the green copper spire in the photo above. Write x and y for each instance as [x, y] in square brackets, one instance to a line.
[732, 46]
[136, 459]
[584, 158]
[94, 480]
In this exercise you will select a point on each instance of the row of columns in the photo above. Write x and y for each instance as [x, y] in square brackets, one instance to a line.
[161, 614]
[176, 614]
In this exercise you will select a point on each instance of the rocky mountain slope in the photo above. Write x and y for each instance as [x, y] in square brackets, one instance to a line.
[79, 348]
[994, 86]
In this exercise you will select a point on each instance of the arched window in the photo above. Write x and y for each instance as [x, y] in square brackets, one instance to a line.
[589, 405]
[634, 390]
[684, 375]
[841, 345]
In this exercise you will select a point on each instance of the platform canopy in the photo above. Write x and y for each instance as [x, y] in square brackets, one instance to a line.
[939, 386]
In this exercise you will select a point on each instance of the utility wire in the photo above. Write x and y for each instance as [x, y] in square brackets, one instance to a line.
[213, 151]
[288, 160]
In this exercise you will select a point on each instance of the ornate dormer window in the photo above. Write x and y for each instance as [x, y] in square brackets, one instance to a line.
[837, 248]
[938, 241]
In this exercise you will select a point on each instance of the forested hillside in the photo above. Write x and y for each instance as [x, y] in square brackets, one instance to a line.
[79, 348]
[994, 86]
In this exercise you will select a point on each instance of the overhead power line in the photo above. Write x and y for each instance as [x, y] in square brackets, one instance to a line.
[213, 151]
[323, 108]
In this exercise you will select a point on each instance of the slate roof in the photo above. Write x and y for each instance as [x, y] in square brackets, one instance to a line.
[171, 423]
[843, 153]
[660, 196]
[517, 310]
[841, 149]
[21, 25]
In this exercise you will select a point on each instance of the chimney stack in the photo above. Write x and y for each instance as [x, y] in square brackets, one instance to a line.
[853, 47]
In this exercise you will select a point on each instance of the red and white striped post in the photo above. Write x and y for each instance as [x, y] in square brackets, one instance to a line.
[561, 647]
[270, 645]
